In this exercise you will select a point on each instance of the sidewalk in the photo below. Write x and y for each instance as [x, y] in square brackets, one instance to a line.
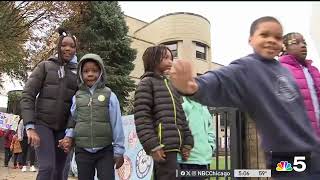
[8, 173]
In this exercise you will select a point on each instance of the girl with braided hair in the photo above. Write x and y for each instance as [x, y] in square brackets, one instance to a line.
[45, 106]
[306, 76]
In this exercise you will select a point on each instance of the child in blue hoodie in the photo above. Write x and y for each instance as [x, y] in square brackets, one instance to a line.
[259, 85]
[95, 125]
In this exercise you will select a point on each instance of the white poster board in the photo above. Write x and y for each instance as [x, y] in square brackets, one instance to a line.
[9, 121]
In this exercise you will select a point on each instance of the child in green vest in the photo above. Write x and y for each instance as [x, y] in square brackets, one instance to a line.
[95, 124]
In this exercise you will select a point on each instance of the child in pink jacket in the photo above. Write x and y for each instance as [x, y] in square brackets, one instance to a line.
[306, 75]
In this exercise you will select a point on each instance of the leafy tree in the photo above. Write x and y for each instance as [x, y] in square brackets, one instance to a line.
[42, 47]
[12, 38]
[14, 98]
[24, 26]
[100, 28]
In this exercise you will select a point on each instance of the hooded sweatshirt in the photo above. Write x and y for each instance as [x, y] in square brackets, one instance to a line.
[201, 125]
[114, 108]
[51, 84]
[268, 92]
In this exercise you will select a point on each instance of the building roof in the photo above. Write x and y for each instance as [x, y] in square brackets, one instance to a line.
[136, 19]
[170, 14]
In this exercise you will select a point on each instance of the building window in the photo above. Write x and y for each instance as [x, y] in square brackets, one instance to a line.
[201, 51]
[173, 46]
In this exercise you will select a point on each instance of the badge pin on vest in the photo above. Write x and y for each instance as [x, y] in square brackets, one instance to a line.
[101, 98]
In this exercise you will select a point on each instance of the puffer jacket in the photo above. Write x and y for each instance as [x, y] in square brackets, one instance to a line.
[55, 83]
[159, 117]
[296, 70]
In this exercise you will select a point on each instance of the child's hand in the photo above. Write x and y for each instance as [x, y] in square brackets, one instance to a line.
[33, 138]
[66, 144]
[118, 161]
[185, 154]
[181, 76]
[158, 155]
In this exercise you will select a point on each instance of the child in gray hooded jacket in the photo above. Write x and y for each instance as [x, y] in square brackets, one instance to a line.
[95, 124]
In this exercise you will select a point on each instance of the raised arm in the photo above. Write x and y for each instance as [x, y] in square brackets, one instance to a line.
[223, 87]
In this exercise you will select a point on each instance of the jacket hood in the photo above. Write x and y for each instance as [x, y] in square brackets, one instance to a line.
[291, 60]
[101, 81]
[54, 58]
[151, 74]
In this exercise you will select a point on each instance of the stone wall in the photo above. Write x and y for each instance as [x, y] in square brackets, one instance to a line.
[253, 154]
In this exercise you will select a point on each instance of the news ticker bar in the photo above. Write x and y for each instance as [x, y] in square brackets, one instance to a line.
[224, 173]
[252, 173]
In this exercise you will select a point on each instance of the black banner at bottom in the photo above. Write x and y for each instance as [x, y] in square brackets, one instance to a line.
[203, 173]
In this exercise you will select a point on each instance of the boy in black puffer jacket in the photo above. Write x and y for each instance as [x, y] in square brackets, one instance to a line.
[159, 118]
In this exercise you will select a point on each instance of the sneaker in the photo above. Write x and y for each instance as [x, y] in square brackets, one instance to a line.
[24, 168]
[33, 169]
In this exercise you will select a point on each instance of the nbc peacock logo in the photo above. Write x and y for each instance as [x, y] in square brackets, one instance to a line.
[284, 166]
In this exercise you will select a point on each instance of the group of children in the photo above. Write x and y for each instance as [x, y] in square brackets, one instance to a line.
[65, 105]
[17, 147]
[9, 143]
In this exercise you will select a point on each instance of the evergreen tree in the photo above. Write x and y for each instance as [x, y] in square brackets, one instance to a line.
[102, 30]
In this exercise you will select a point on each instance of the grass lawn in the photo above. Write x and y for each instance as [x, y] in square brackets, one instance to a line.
[221, 165]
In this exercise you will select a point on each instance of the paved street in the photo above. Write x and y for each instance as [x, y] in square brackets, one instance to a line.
[8, 173]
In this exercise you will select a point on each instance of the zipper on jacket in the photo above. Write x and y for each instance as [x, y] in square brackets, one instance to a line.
[90, 101]
[90, 104]
[62, 88]
[159, 133]
[174, 110]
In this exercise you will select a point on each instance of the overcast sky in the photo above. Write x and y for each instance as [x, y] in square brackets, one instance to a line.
[230, 21]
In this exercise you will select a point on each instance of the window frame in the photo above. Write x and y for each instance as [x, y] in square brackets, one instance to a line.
[204, 54]
[174, 52]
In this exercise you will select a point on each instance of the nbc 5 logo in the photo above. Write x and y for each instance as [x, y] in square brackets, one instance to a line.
[299, 165]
